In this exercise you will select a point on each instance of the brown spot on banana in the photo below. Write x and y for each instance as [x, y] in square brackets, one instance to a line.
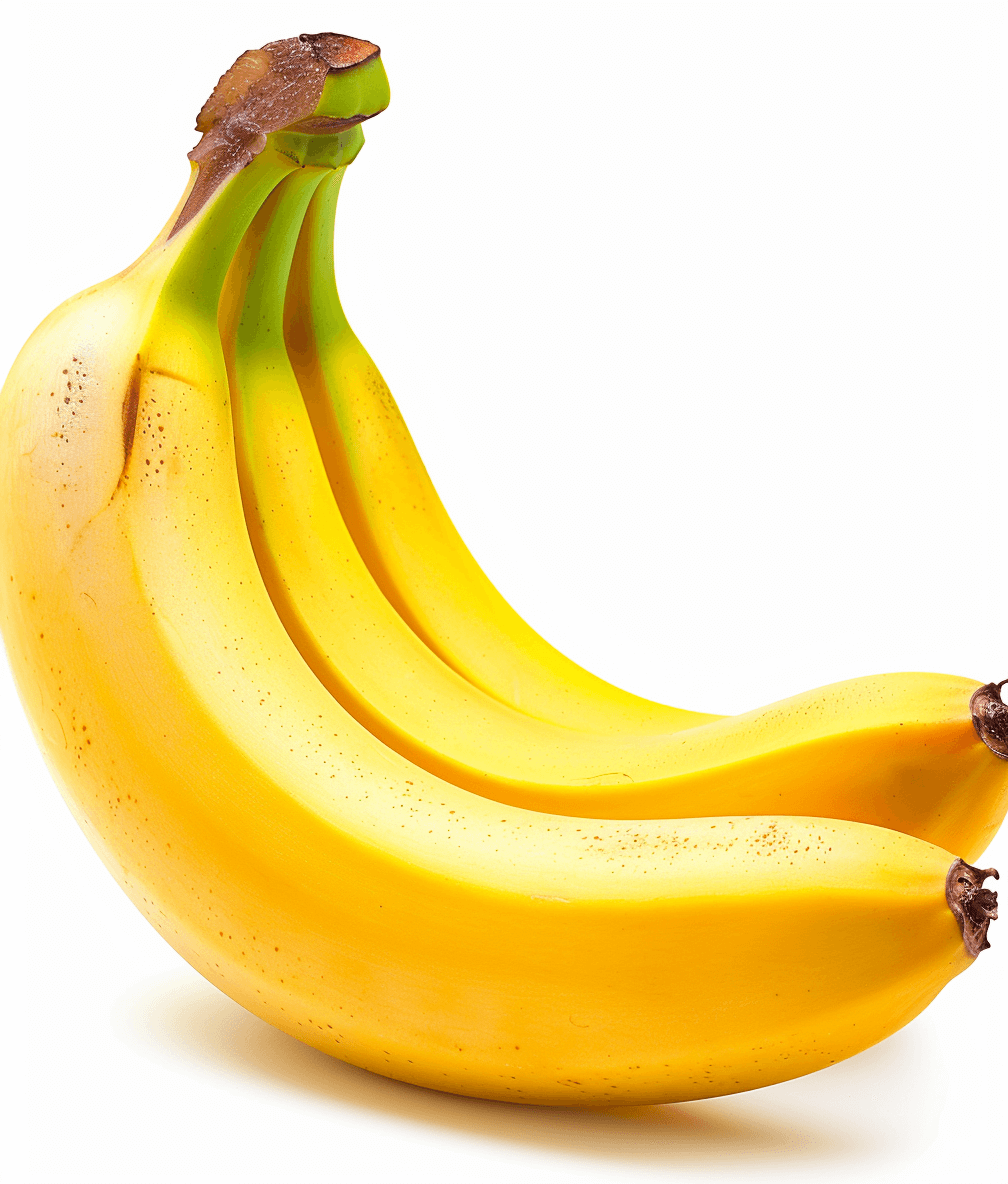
[129, 417]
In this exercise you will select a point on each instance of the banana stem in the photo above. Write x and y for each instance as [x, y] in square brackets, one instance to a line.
[311, 323]
[251, 311]
[293, 104]
[318, 83]
[191, 293]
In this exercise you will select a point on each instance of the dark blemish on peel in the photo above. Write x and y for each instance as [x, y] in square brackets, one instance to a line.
[129, 418]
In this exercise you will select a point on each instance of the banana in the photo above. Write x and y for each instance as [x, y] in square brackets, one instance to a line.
[403, 531]
[345, 895]
[898, 751]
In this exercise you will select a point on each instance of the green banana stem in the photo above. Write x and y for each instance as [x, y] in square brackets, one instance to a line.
[363, 90]
[182, 338]
[321, 321]
[263, 263]
[191, 294]
[291, 105]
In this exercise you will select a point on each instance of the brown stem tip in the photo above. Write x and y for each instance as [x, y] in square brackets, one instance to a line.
[972, 905]
[266, 89]
[990, 717]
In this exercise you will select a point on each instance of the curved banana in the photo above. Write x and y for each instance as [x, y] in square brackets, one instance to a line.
[898, 751]
[403, 531]
[391, 920]
[315, 875]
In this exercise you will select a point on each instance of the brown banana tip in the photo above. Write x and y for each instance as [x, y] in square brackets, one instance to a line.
[264, 90]
[990, 717]
[972, 905]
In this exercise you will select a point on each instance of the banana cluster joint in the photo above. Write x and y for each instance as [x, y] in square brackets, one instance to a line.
[315, 84]
[990, 717]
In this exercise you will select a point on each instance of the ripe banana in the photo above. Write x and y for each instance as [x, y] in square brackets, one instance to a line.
[898, 751]
[334, 888]
[402, 531]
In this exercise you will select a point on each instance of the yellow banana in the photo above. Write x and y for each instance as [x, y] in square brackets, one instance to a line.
[403, 532]
[314, 874]
[898, 751]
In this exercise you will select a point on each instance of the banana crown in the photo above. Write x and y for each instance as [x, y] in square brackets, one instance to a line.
[316, 84]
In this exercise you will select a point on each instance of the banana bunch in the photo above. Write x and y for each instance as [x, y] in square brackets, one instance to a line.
[346, 781]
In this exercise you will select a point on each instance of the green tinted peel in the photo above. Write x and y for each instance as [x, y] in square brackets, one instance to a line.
[328, 319]
[192, 290]
[361, 90]
[259, 332]
[331, 151]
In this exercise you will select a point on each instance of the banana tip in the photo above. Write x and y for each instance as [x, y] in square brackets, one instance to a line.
[972, 905]
[990, 717]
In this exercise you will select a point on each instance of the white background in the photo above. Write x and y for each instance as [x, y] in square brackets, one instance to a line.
[696, 313]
